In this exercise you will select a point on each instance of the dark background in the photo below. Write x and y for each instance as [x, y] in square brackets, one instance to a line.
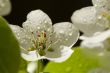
[58, 10]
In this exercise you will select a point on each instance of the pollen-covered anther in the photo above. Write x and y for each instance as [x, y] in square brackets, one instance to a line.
[44, 34]
[38, 35]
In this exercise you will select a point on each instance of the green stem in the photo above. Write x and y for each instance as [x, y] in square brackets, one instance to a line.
[39, 66]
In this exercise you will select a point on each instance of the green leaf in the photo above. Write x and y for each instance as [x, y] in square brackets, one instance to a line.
[9, 49]
[82, 61]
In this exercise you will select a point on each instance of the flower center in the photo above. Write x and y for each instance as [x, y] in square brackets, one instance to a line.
[40, 42]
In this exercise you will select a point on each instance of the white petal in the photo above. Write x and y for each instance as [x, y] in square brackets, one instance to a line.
[100, 37]
[59, 54]
[32, 56]
[92, 45]
[97, 41]
[66, 33]
[37, 20]
[32, 66]
[22, 36]
[5, 7]
[85, 19]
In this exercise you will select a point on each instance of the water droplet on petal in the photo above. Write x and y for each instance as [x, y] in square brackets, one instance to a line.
[66, 39]
[38, 27]
[45, 22]
[84, 20]
[61, 32]
[70, 34]
[2, 3]
[40, 22]
[100, 17]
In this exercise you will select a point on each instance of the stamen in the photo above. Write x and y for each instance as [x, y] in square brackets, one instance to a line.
[38, 34]
[40, 42]
[44, 34]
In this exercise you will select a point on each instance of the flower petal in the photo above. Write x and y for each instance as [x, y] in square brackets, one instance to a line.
[59, 54]
[99, 41]
[92, 45]
[85, 19]
[99, 37]
[66, 33]
[22, 36]
[5, 7]
[31, 56]
[32, 66]
[65, 36]
[37, 20]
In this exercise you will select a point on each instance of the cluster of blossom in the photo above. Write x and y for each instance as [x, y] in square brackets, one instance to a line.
[40, 40]
[94, 22]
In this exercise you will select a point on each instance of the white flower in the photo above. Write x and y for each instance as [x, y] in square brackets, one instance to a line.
[94, 22]
[87, 21]
[40, 40]
[99, 41]
[5, 7]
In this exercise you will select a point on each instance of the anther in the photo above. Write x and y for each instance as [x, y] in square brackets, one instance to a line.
[44, 34]
[32, 32]
[38, 34]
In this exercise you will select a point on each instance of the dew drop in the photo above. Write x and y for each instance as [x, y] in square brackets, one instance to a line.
[38, 27]
[2, 3]
[18, 34]
[61, 32]
[66, 39]
[70, 34]
[40, 22]
[100, 17]
[84, 20]
[45, 22]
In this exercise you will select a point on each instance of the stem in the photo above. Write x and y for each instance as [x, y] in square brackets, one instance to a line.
[39, 66]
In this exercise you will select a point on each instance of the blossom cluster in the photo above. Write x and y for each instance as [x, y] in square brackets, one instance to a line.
[94, 23]
[39, 39]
